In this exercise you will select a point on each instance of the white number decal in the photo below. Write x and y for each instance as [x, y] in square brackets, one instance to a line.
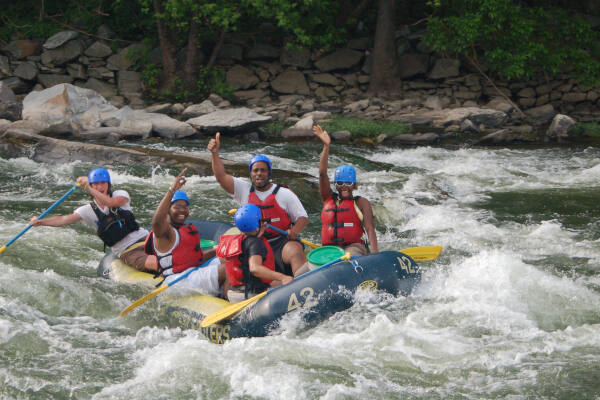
[405, 264]
[309, 301]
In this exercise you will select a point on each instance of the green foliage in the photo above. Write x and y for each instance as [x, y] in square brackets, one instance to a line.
[591, 129]
[27, 19]
[364, 128]
[274, 128]
[516, 41]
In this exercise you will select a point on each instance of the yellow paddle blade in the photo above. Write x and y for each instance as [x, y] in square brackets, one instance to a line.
[142, 300]
[310, 244]
[229, 311]
[423, 253]
[2, 249]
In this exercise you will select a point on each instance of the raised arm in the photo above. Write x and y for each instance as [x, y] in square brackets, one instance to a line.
[102, 198]
[369, 223]
[224, 179]
[160, 220]
[324, 185]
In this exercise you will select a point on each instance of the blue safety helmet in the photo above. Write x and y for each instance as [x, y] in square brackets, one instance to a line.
[257, 158]
[98, 175]
[247, 218]
[345, 173]
[180, 195]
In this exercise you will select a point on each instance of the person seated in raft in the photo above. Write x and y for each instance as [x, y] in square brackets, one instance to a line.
[279, 205]
[177, 244]
[344, 217]
[110, 212]
[248, 257]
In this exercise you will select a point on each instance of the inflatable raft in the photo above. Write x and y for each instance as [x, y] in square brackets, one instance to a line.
[314, 296]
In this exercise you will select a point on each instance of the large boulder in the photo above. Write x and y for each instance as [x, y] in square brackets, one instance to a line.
[60, 108]
[233, 121]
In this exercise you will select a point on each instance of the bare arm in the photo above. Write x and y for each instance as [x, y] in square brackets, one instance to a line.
[224, 179]
[262, 272]
[160, 220]
[368, 221]
[298, 228]
[324, 184]
[58, 220]
[102, 198]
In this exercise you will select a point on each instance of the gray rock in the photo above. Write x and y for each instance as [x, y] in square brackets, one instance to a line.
[502, 137]
[129, 82]
[542, 114]
[295, 57]
[445, 68]
[487, 117]
[561, 127]
[290, 82]
[196, 110]
[237, 120]
[250, 95]
[21, 49]
[99, 50]
[17, 85]
[239, 77]
[163, 108]
[6, 93]
[339, 60]
[231, 51]
[4, 66]
[49, 80]
[413, 64]
[59, 39]
[342, 136]
[64, 54]
[326, 79]
[65, 108]
[103, 88]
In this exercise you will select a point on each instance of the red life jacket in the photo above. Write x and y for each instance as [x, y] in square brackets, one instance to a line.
[341, 225]
[187, 253]
[230, 249]
[271, 212]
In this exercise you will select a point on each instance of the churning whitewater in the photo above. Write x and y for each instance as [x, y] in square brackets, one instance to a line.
[509, 310]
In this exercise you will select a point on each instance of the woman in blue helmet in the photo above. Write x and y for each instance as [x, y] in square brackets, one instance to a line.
[249, 258]
[110, 212]
[177, 244]
[344, 217]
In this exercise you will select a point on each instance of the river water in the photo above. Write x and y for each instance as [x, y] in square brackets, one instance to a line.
[511, 309]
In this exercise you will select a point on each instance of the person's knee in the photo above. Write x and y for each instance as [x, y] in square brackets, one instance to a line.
[293, 250]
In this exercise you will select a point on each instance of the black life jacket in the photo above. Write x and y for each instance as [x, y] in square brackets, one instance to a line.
[114, 226]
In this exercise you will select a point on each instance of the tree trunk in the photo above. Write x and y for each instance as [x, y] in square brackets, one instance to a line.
[167, 50]
[384, 70]
[216, 50]
[190, 69]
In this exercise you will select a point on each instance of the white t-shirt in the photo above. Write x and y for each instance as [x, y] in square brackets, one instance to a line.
[88, 216]
[285, 198]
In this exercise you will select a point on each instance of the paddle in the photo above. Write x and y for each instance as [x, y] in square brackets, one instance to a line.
[423, 253]
[306, 242]
[160, 289]
[52, 207]
[228, 311]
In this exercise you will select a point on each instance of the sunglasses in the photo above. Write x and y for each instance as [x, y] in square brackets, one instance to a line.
[347, 184]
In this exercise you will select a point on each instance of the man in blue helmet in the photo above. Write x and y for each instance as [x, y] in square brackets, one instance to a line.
[344, 217]
[249, 258]
[110, 212]
[177, 244]
[280, 207]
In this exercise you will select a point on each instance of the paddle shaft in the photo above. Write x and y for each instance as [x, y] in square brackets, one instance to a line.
[52, 207]
[160, 289]
[306, 242]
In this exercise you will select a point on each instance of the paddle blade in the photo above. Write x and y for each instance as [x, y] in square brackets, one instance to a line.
[142, 300]
[229, 311]
[2, 249]
[423, 253]
[310, 244]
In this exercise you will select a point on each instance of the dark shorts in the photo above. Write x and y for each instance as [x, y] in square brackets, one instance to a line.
[277, 246]
[136, 257]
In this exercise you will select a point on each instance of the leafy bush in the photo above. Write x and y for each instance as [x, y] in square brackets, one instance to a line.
[591, 129]
[364, 128]
[516, 41]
